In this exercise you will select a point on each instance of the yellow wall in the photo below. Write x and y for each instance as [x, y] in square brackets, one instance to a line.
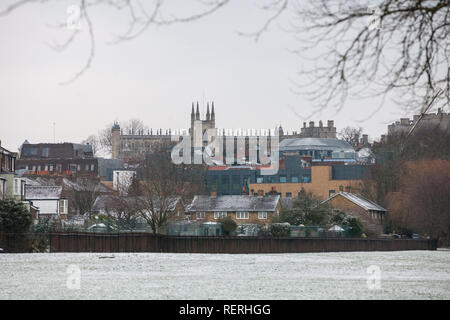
[320, 184]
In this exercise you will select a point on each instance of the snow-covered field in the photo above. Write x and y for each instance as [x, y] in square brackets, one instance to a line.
[404, 275]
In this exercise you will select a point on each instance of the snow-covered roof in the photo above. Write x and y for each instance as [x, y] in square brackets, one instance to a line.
[42, 192]
[234, 203]
[315, 144]
[359, 200]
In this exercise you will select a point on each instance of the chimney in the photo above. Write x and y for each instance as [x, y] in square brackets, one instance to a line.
[320, 123]
[311, 124]
[365, 139]
[330, 123]
[304, 124]
[213, 194]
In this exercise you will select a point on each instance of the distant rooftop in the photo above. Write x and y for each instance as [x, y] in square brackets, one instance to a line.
[315, 144]
[42, 192]
[359, 200]
[55, 150]
[234, 203]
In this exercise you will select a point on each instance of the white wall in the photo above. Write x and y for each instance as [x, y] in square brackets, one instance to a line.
[46, 206]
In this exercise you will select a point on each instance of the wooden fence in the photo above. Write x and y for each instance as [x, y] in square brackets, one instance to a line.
[144, 242]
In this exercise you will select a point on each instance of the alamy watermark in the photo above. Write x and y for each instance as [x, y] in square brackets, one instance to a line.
[374, 278]
[73, 20]
[244, 147]
[374, 20]
[73, 281]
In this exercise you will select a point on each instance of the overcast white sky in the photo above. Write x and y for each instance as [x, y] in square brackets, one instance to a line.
[155, 77]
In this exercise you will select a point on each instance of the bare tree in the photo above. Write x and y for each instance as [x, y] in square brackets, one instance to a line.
[133, 126]
[351, 135]
[357, 49]
[422, 204]
[83, 192]
[140, 17]
[395, 46]
[162, 183]
[105, 139]
[93, 141]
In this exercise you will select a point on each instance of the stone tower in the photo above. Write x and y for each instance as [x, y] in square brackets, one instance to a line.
[115, 141]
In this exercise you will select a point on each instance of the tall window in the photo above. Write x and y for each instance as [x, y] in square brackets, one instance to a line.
[242, 215]
[294, 179]
[2, 189]
[283, 179]
[63, 206]
[16, 186]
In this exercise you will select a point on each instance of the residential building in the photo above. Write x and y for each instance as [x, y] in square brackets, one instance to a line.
[58, 159]
[49, 200]
[242, 209]
[371, 215]
[7, 169]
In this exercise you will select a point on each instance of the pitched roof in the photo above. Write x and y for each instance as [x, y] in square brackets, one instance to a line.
[234, 203]
[359, 200]
[42, 192]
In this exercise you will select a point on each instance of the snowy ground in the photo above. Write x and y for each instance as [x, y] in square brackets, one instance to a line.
[404, 275]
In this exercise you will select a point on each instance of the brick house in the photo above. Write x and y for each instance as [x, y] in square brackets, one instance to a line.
[243, 209]
[58, 159]
[372, 215]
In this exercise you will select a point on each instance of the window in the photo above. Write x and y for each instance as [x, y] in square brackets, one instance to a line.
[2, 189]
[45, 152]
[306, 178]
[262, 215]
[16, 186]
[242, 215]
[294, 179]
[63, 206]
[259, 180]
[200, 215]
[51, 167]
[92, 167]
[46, 168]
[288, 194]
[220, 214]
[87, 168]
[283, 179]
[331, 192]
